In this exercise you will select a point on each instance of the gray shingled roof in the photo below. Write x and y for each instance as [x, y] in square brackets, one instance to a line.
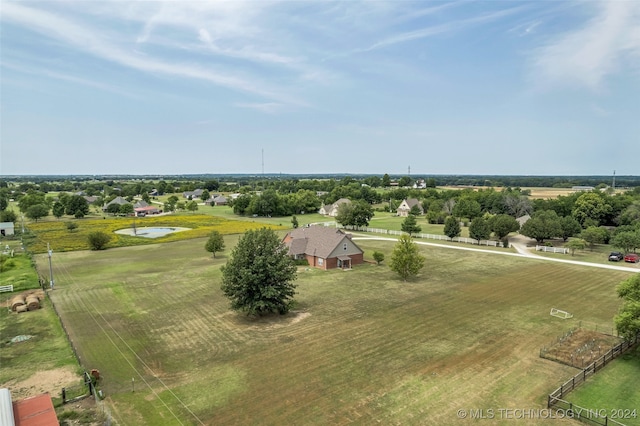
[317, 241]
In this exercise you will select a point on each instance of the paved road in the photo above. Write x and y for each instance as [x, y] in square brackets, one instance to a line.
[518, 244]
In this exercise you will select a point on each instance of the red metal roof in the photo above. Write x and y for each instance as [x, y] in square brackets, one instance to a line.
[35, 411]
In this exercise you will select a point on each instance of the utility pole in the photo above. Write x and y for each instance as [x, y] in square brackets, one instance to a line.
[613, 185]
[51, 283]
[23, 224]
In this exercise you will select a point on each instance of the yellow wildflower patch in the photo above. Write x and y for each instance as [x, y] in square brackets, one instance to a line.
[61, 239]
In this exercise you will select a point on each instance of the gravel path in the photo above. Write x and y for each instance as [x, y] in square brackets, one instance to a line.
[519, 243]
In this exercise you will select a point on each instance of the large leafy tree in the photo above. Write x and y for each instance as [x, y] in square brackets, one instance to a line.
[543, 225]
[126, 209]
[590, 207]
[479, 229]
[406, 260]
[58, 209]
[631, 214]
[467, 207]
[627, 240]
[37, 211]
[502, 225]
[594, 235]
[30, 199]
[75, 204]
[628, 319]
[410, 225]
[215, 243]
[259, 277]
[452, 227]
[569, 227]
[358, 214]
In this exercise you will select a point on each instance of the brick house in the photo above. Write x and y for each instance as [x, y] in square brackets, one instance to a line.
[324, 247]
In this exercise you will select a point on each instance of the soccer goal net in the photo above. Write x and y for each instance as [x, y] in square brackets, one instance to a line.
[560, 313]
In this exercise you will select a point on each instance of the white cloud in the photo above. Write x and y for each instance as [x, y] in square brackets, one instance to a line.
[589, 54]
[266, 107]
[100, 45]
[452, 26]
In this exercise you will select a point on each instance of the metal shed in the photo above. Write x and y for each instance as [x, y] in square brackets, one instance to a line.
[6, 408]
[6, 228]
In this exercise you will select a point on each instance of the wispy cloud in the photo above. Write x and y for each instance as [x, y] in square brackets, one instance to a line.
[448, 27]
[93, 42]
[266, 107]
[586, 56]
[70, 78]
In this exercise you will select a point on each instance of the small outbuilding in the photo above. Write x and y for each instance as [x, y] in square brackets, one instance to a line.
[7, 228]
[34, 411]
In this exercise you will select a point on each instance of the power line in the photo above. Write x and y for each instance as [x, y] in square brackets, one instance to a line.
[93, 317]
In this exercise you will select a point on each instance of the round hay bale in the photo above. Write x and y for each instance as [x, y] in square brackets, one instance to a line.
[33, 303]
[16, 301]
[21, 308]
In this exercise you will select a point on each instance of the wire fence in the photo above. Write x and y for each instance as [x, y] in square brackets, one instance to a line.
[591, 369]
[585, 415]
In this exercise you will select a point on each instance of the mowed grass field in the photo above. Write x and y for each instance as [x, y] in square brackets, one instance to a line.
[614, 390]
[361, 347]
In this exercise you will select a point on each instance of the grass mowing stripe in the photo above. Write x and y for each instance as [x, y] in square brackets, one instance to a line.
[112, 341]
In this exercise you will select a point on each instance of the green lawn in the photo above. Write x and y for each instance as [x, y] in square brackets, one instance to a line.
[47, 348]
[362, 346]
[613, 390]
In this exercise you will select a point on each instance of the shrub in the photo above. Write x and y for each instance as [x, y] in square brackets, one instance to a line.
[98, 240]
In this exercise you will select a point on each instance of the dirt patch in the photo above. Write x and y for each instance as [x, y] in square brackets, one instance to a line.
[579, 347]
[271, 322]
[51, 381]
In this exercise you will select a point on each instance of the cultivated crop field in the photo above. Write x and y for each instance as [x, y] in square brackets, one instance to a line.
[361, 346]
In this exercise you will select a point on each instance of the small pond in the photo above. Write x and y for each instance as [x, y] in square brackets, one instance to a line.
[150, 232]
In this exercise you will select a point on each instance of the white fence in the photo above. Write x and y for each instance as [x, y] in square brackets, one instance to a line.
[552, 249]
[424, 236]
[5, 288]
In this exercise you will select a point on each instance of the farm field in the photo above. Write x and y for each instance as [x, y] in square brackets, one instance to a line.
[362, 346]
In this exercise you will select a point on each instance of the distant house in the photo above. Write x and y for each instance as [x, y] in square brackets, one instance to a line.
[324, 247]
[90, 199]
[140, 203]
[420, 184]
[582, 188]
[220, 200]
[217, 200]
[7, 228]
[523, 219]
[332, 209]
[193, 194]
[118, 200]
[406, 206]
[143, 211]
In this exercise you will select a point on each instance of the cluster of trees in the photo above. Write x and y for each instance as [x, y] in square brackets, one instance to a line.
[273, 203]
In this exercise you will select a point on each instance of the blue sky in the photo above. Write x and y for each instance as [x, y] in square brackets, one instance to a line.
[462, 87]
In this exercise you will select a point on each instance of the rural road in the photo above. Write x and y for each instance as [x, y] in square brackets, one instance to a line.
[519, 243]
